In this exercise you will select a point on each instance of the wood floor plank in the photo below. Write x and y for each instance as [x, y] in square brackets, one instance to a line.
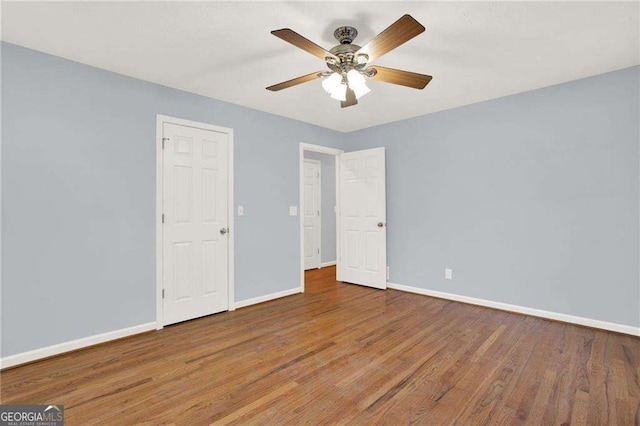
[246, 409]
[484, 404]
[345, 354]
[451, 390]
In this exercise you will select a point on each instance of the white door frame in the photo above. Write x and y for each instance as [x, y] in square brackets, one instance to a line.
[160, 120]
[323, 150]
[319, 203]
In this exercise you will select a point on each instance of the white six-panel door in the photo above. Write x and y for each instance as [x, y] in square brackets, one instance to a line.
[311, 211]
[195, 228]
[362, 229]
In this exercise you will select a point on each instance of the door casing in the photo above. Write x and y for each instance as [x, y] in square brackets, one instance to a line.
[160, 120]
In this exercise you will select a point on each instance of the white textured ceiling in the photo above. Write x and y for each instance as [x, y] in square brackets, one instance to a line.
[474, 50]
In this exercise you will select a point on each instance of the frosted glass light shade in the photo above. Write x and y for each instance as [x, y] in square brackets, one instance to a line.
[340, 93]
[357, 83]
[334, 86]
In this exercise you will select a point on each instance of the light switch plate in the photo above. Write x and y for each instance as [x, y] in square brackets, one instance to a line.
[293, 210]
[448, 274]
[240, 210]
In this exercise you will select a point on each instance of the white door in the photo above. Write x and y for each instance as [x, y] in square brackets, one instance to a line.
[311, 209]
[195, 234]
[363, 217]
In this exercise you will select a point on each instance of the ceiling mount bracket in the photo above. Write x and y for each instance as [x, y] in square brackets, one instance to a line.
[345, 35]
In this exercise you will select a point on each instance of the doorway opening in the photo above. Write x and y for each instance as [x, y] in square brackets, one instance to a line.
[318, 212]
[357, 202]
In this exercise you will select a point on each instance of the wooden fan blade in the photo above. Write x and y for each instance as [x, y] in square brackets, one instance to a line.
[295, 81]
[351, 99]
[398, 33]
[297, 40]
[403, 78]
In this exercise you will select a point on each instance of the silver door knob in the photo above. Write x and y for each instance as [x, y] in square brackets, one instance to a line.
[380, 224]
[224, 230]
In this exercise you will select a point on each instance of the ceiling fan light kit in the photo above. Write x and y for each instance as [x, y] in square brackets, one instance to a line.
[335, 86]
[349, 64]
[357, 83]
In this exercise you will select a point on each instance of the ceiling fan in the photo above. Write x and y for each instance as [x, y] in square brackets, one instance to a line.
[349, 63]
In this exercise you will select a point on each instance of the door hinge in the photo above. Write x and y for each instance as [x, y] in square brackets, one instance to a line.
[318, 174]
[162, 217]
[318, 251]
[163, 293]
[164, 139]
[318, 212]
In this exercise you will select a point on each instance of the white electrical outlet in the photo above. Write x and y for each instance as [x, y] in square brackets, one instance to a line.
[293, 210]
[387, 273]
[240, 210]
[448, 274]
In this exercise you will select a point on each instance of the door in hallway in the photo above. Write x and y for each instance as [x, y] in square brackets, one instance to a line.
[311, 211]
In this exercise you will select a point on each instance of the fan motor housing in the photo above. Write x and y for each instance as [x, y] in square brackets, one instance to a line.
[345, 51]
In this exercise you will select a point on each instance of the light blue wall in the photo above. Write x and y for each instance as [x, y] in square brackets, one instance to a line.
[531, 199]
[78, 208]
[328, 188]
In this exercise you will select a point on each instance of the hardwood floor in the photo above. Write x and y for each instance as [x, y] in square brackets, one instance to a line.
[346, 354]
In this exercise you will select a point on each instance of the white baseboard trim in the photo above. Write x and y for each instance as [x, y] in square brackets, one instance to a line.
[36, 354]
[267, 297]
[620, 328]
[325, 264]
